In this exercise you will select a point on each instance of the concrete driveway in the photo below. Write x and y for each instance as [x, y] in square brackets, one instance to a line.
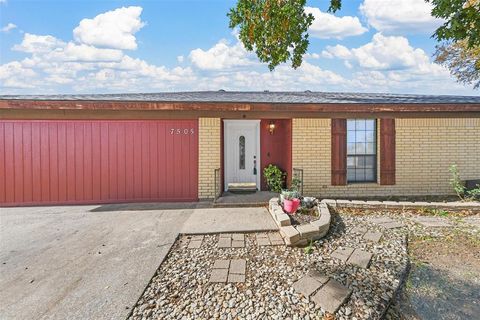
[93, 262]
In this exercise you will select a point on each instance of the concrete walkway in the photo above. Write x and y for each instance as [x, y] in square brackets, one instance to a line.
[93, 262]
[229, 220]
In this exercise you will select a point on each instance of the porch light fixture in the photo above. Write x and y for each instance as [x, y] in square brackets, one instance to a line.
[271, 127]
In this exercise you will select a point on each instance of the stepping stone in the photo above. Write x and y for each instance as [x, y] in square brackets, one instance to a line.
[320, 277]
[238, 266]
[373, 236]
[382, 220]
[221, 264]
[307, 285]
[392, 225]
[263, 242]
[387, 222]
[219, 275]
[433, 222]
[238, 237]
[331, 296]
[195, 242]
[236, 277]
[342, 253]
[275, 239]
[224, 243]
[236, 240]
[360, 258]
[360, 230]
[238, 244]
[228, 271]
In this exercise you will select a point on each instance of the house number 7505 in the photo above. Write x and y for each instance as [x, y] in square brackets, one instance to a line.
[182, 131]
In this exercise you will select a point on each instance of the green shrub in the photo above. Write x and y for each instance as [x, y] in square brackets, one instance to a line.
[274, 177]
[459, 187]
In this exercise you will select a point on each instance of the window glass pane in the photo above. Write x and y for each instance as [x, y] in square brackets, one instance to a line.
[351, 148]
[350, 162]
[360, 175]
[351, 136]
[360, 136]
[351, 175]
[370, 136]
[360, 162]
[369, 175]
[370, 162]
[370, 148]
[370, 125]
[350, 124]
[360, 125]
[241, 146]
[360, 148]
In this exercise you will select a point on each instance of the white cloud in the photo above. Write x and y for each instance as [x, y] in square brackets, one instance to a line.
[385, 64]
[83, 52]
[393, 16]
[10, 26]
[391, 64]
[15, 75]
[220, 56]
[383, 53]
[33, 43]
[326, 25]
[337, 51]
[113, 29]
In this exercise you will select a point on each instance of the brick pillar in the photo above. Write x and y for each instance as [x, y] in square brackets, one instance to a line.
[209, 148]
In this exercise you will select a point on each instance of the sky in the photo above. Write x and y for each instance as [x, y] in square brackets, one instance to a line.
[109, 46]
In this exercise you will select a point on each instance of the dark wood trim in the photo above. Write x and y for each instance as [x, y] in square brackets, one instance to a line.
[387, 151]
[339, 152]
[239, 107]
[67, 114]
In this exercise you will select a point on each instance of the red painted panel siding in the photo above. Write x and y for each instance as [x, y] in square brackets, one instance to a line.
[77, 162]
[276, 148]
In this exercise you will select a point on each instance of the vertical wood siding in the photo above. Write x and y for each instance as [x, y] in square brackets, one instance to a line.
[387, 151]
[62, 162]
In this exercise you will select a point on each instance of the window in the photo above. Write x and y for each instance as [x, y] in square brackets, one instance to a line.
[241, 146]
[361, 150]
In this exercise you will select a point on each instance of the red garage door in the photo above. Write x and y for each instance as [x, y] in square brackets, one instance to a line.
[61, 162]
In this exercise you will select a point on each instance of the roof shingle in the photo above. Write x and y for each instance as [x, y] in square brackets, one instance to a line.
[259, 97]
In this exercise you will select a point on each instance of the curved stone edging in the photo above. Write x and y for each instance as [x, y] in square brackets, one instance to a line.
[302, 234]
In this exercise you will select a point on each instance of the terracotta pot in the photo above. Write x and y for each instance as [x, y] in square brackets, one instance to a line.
[291, 206]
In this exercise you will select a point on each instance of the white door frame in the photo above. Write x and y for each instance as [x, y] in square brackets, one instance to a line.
[226, 148]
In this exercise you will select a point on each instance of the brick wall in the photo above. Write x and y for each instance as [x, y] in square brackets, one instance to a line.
[425, 148]
[209, 140]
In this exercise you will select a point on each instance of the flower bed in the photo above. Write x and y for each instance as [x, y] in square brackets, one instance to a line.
[313, 227]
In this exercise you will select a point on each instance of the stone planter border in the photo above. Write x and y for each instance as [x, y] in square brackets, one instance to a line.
[450, 206]
[300, 235]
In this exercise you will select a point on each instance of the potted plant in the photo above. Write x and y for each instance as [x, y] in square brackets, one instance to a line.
[274, 177]
[291, 201]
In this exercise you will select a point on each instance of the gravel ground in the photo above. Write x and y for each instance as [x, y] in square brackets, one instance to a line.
[180, 288]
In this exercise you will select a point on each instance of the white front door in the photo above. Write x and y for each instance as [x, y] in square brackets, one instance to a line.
[242, 152]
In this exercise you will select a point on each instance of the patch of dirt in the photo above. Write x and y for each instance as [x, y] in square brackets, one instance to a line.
[303, 216]
[444, 280]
